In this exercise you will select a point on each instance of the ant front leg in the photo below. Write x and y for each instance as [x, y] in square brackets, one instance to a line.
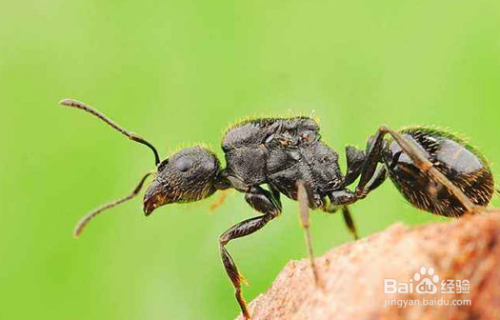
[262, 201]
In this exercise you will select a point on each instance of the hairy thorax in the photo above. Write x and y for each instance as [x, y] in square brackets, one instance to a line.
[281, 152]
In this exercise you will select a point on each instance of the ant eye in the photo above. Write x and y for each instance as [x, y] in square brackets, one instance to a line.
[162, 165]
[184, 164]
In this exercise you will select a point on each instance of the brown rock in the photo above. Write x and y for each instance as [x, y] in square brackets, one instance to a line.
[353, 275]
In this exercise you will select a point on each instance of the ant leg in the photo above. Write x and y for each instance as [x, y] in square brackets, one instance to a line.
[355, 160]
[262, 201]
[350, 222]
[276, 196]
[373, 157]
[424, 165]
[219, 201]
[346, 213]
[304, 218]
[378, 178]
[341, 198]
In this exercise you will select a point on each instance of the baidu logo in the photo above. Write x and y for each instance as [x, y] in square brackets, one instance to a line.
[428, 284]
[426, 281]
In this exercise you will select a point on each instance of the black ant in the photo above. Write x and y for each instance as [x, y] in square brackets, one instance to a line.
[434, 170]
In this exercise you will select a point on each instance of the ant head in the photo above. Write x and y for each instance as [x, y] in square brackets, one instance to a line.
[188, 175]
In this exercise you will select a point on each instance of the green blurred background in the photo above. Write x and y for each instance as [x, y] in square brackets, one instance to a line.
[178, 72]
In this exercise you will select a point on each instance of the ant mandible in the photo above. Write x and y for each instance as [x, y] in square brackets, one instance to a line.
[434, 170]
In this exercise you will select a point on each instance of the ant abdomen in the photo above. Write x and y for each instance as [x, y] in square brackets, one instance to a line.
[463, 165]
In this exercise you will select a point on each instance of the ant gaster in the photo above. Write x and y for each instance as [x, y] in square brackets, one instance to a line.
[434, 170]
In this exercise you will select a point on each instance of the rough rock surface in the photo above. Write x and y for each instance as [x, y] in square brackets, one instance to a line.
[353, 275]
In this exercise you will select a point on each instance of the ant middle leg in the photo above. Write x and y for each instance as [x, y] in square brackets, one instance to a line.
[262, 201]
[303, 200]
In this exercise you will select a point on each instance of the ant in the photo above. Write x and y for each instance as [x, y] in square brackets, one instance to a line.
[434, 170]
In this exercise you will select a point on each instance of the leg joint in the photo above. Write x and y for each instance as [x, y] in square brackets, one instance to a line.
[384, 129]
[223, 239]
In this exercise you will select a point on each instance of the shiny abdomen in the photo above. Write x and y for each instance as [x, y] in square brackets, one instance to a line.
[459, 162]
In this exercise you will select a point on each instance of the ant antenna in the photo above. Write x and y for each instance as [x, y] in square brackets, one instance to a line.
[132, 136]
[86, 219]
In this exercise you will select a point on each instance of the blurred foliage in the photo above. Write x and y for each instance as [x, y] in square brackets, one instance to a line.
[178, 72]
